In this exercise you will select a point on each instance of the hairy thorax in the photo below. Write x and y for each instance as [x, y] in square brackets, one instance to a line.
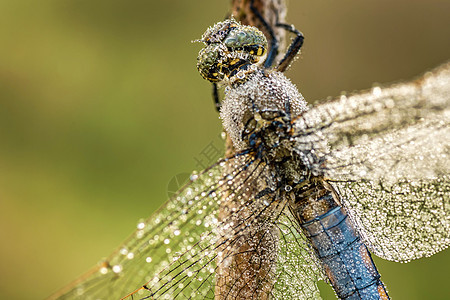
[262, 91]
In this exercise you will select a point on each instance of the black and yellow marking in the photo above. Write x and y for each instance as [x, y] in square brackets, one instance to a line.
[231, 47]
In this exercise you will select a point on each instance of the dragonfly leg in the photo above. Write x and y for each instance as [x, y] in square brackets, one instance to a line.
[216, 99]
[272, 38]
[293, 49]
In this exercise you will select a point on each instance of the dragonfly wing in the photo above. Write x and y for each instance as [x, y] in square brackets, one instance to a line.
[401, 222]
[372, 133]
[298, 268]
[176, 229]
[388, 151]
[224, 227]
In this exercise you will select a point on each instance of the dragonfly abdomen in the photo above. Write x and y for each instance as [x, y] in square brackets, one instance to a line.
[346, 260]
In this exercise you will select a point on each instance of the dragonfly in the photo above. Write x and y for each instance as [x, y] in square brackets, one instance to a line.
[305, 194]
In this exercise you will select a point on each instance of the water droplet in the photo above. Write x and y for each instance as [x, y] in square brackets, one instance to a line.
[240, 75]
[117, 269]
[376, 91]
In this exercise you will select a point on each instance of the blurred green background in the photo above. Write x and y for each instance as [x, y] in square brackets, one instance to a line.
[101, 105]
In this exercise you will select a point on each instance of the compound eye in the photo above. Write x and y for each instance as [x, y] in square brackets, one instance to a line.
[244, 37]
[238, 39]
[210, 62]
[214, 74]
[230, 49]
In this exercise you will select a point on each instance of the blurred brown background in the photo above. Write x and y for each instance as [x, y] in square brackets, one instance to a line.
[101, 105]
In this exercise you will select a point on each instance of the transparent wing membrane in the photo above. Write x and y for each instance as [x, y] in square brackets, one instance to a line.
[190, 250]
[389, 151]
[415, 152]
[175, 229]
[405, 221]
[373, 135]
[298, 270]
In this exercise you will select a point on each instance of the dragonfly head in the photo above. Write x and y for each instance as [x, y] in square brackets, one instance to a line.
[232, 50]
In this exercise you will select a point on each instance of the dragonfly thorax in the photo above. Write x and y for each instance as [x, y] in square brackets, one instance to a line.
[266, 133]
[265, 96]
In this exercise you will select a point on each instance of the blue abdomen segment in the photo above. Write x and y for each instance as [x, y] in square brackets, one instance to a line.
[345, 258]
